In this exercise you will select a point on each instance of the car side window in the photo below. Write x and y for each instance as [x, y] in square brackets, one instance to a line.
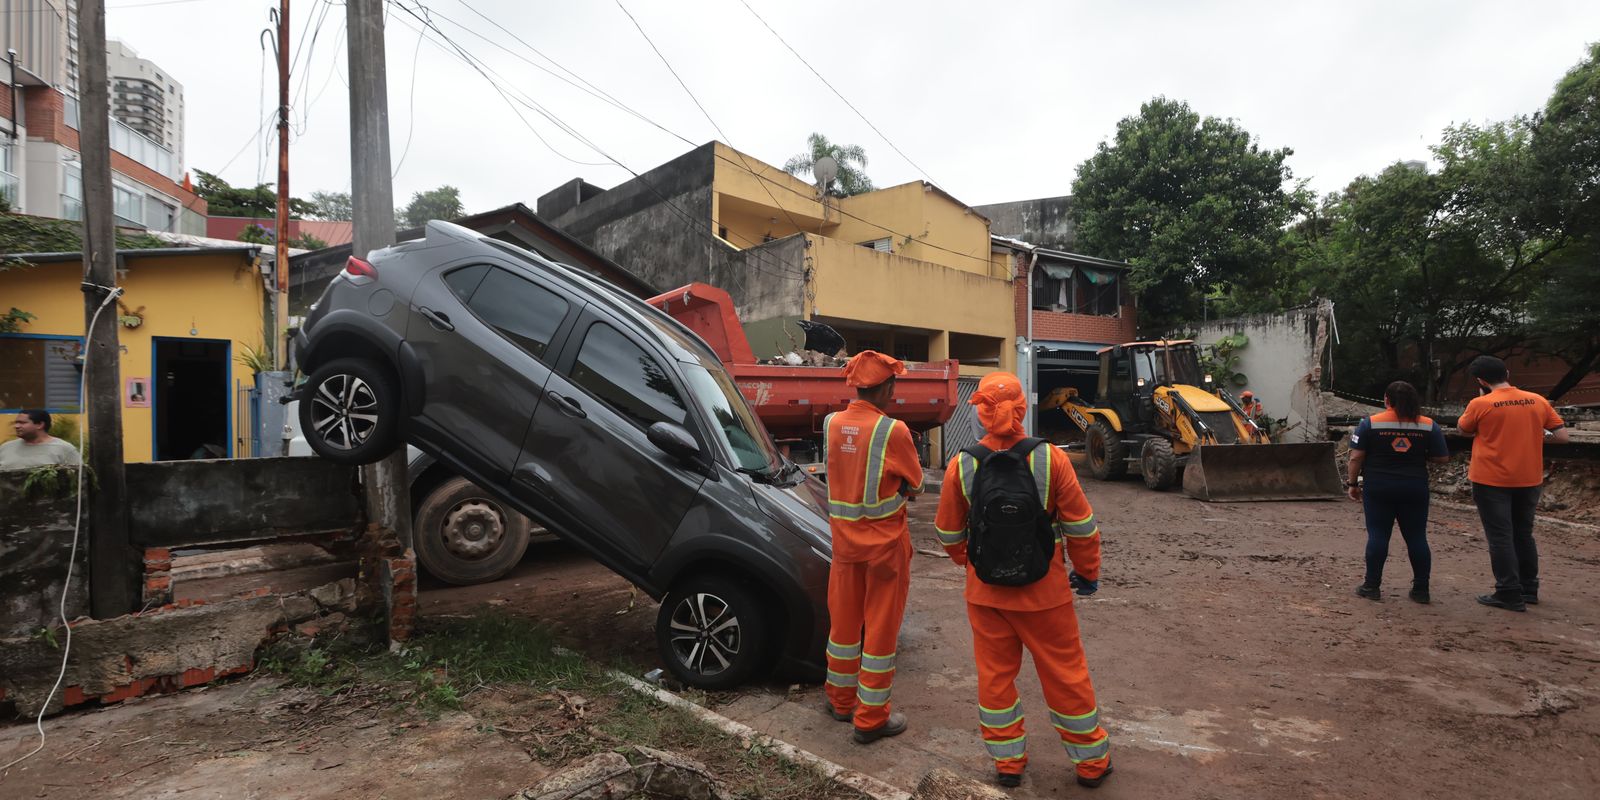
[519, 309]
[627, 378]
[465, 280]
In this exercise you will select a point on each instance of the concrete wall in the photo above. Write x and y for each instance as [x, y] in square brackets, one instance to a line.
[940, 229]
[1045, 221]
[1282, 361]
[172, 503]
[35, 540]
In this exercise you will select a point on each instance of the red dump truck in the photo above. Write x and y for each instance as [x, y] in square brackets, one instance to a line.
[792, 400]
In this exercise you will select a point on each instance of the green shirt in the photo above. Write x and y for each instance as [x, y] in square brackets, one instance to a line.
[17, 454]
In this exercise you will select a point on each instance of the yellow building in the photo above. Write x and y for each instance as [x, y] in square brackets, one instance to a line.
[185, 318]
[907, 270]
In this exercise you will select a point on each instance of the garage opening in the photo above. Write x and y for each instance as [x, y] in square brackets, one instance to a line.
[1058, 366]
[191, 406]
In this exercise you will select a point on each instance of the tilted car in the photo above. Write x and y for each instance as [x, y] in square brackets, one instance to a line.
[594, 414]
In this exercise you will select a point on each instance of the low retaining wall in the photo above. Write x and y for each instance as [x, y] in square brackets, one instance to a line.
[35, 538]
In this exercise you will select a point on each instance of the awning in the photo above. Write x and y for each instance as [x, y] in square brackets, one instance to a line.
[1061, 272]
[1099, 277]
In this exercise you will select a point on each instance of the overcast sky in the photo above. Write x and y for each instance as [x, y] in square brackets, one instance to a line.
[996, 100]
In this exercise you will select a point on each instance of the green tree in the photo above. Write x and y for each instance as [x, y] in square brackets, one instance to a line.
[257, 234]
[225, 200]
[1193, 203]
[441, 203]
[306, 241]
[852, 159]
[331, 206]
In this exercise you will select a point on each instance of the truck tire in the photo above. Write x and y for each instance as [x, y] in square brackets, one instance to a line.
[1108, 454]
[1159, 464]
[465, 536]
[711, 632]
[350, 412]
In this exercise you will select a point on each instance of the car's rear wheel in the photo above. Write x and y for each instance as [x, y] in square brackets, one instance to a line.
[464, 536]
[350, 411]
[712, 632]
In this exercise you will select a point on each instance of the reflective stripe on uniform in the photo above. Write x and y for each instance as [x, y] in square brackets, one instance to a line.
[1401, 426]
[951, 538]
[844, 651]
[969, 468]
[989, 718]
[1080, 529]
[1041, 472]
[872, 697]
[841, 679]
[871, 507]
[1005, 749]
[1080, 724]
[1080, 753]
[872, 663]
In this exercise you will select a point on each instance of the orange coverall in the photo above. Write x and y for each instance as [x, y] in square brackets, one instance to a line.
[1038, 616]
[872, 464]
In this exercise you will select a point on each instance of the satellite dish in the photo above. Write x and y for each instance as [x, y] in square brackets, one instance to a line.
[825, 170]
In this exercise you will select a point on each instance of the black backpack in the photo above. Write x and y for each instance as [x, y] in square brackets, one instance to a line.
[1010, 539]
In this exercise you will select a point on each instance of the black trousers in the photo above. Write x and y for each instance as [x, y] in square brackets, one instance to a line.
[1385, 502]
[1507, 516]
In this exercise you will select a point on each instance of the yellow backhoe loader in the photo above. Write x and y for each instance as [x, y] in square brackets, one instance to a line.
[1157, 412]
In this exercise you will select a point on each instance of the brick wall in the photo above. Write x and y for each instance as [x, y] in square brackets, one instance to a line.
[1057, 326]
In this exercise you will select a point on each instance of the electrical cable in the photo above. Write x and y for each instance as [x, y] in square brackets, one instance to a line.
[836, 92]
[411, 106]
[112, 293]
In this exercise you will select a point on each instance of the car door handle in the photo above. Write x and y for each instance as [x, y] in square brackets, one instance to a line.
[436, 319]
[568, 405]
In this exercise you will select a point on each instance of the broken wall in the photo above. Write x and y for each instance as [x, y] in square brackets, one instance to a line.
[1282, 362]
[35, 540]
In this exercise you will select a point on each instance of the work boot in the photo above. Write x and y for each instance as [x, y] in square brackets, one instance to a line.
[894, 727]
[1530, 598]
[1094, 783]
[1010, 780]
[1419, 594]
[1369, 592]
[1496, 602]
[836, 714]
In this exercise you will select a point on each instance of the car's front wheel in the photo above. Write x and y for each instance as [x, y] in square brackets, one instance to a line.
[350, 411]
[712, 632]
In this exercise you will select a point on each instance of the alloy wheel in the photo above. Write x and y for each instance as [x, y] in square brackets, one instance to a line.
[706, 634]
[344, 411]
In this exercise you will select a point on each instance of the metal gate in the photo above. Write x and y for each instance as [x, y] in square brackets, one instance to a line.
[963, 428]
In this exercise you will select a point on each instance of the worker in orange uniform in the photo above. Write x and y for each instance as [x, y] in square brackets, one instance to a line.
[1024, 601]
[872, 470]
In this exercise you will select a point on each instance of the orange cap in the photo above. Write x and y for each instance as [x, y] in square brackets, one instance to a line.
[870, 368]
[1001, 403]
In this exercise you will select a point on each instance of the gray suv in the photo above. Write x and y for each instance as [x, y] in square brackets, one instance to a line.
[594, 414]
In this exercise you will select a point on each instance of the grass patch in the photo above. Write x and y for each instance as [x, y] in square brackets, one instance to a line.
[557, 705]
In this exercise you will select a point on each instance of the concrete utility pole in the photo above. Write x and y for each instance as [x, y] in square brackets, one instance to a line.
[372, 206]
[280, 264]
[113, 567]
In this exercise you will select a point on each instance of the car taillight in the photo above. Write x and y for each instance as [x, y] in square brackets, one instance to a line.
[356, 268]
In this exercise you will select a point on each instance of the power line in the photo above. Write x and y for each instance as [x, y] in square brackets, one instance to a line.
[411, 105]
[836, 92]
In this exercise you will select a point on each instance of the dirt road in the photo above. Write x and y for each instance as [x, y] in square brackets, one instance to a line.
[1231, 660]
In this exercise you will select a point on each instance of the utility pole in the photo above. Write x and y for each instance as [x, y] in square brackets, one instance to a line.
[280, 263]
[372, 206]
[113, 569]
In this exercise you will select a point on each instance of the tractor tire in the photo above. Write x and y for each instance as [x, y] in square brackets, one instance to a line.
[1159, 464]
[1108, 454]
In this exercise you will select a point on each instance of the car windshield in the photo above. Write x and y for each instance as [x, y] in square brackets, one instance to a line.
[733, 421]
[1183, 360]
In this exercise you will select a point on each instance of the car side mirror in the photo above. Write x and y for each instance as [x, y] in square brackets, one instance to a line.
[674, 441]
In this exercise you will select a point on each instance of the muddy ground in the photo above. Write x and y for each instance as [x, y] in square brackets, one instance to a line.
[1231, 660]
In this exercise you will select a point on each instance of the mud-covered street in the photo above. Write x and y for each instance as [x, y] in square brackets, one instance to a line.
[1230, 657]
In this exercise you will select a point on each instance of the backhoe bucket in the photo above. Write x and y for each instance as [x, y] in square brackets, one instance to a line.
[1228, 473]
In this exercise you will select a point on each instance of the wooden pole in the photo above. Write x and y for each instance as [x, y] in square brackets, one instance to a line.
[372, 207]
[280, 265]
[114, 567]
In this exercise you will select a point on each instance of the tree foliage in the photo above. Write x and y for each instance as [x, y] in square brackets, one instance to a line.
[852, 159]
[441, 203]
[1193, 203]
[225, 200]
[331, 206]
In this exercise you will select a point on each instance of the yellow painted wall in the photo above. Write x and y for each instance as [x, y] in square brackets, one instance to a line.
[734, 176]
[852, 282]
[219, 296]
[746, 229]
[939, 229]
